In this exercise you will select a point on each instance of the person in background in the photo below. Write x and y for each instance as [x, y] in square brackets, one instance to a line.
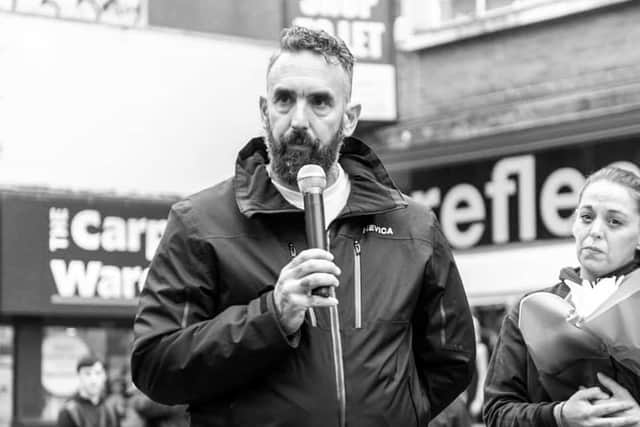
[228, 321]
[137, 410]
[607, 235]
[88, 407]
[122, 393]
[475, 392]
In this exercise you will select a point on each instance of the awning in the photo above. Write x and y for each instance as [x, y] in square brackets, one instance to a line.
[501, 274]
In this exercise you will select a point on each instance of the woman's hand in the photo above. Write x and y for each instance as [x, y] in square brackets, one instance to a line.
[621, 394]
[591, 407]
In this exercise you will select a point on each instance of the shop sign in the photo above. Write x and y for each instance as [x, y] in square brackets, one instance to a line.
[125, 13]
[519, 198]
[362, 24]
[77, 254]
[366, 27]
[92, 232]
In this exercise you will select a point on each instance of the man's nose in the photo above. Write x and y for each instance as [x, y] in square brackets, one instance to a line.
[299, 118]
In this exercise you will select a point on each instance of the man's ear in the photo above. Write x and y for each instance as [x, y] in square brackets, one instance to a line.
[263, 111]
[351, 116]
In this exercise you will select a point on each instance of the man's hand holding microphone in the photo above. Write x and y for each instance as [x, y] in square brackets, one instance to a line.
[308, 279]
[294, 291]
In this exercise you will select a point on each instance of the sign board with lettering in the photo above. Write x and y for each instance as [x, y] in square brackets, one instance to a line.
[72, 254]
[518, 198]
[366, 26]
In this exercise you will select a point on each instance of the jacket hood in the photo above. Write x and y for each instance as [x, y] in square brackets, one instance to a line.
[372, 189]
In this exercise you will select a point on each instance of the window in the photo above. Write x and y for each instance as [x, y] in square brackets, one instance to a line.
[425, 23]
[61, 349]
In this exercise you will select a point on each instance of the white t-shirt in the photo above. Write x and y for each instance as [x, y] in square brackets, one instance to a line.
[335, 196]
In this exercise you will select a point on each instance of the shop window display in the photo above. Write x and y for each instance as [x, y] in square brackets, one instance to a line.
[61, 349]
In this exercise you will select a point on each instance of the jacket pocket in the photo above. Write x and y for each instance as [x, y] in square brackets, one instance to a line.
[357, 284]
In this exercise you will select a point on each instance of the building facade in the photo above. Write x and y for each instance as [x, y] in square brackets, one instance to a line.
[491, 112]
[504, 108]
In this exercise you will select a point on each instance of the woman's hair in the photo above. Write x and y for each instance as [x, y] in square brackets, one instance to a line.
[616, 175]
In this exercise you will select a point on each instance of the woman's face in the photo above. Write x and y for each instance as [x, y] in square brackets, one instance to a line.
[606, 228]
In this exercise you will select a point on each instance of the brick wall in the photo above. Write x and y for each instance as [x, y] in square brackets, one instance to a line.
[551, 71]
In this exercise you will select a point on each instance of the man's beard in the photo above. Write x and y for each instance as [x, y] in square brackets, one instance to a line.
[286, 161]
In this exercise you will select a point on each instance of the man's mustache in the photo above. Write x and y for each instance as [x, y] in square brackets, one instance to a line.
[299, 138]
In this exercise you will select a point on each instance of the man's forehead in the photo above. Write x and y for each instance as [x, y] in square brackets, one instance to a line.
[305, 69]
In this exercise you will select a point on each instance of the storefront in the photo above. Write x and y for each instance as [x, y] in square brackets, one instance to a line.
[71, 268]
[505, 202]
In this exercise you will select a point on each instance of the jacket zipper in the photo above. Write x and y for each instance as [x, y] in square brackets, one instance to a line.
[185, 314]
[357, 284]
[312, 314]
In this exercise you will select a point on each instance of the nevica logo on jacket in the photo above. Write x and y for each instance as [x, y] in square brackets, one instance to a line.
[87, 234]
[373, 228]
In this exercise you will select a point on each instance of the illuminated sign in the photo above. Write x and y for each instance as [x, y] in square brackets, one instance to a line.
[75, 254]
[518, 198]
[79, 281]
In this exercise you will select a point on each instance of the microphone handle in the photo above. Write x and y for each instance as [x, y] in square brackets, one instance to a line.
[315, 228]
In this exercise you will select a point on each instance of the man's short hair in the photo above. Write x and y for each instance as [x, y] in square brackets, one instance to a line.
[87, 361]
[333, 49]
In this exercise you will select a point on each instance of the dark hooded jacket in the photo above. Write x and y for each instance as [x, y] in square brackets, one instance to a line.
[79, 411]
[514, 393]
[206, 332]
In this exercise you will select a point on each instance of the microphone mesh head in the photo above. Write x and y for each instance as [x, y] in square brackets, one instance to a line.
[311, 179]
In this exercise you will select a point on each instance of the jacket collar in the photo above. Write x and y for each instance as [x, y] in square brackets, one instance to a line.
[573, 274]
[372, 190]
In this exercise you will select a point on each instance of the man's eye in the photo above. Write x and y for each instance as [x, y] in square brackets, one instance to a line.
[283, 98]
[320, 102]
[585, 217]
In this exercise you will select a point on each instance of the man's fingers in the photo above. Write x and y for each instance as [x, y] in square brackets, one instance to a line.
[316, 280]
[318, 301]
[313, 253]
[316, 266]
[306, 301]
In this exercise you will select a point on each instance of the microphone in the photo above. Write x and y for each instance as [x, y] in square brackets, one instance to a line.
[311, 182]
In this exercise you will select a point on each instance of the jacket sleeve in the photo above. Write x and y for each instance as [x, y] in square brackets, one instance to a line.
[149, 409]
[507, 401]
[64, 419]
[444, 343]
[187, 348]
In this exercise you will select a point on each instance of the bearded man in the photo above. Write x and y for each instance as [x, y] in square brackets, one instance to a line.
[228, 322]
